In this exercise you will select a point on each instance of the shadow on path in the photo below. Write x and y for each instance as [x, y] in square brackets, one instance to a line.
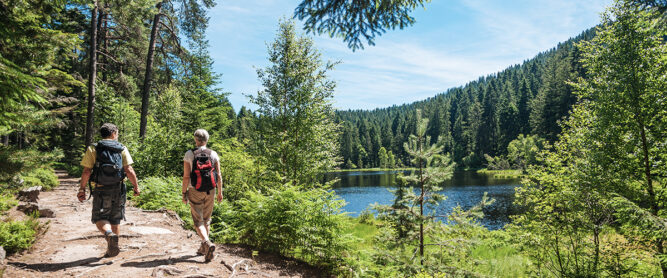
[50, 267]
[159, 262]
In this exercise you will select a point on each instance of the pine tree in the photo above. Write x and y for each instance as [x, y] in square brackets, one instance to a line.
[296, 111]
[391, 160]
[383, 158]
[356, 20]
[433, 168]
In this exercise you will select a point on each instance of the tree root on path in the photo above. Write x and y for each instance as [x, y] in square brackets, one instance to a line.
[162, 270]
[246, 267]
[126, 260]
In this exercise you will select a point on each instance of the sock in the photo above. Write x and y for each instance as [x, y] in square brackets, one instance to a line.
[107, 232]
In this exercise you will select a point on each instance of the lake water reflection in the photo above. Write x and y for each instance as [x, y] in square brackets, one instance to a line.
[466, 188]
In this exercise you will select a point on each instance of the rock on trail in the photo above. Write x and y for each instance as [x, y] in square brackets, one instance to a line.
[153, 244]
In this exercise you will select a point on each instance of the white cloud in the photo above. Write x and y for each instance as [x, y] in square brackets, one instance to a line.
[455, 43]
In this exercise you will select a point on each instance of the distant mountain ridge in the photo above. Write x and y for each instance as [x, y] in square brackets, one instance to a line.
[479, 118]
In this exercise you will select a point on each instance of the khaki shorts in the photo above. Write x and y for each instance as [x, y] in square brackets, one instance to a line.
[109, 204]
[201, 206]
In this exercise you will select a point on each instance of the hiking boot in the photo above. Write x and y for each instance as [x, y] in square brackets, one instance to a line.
[112, 245]
[202, 248]
[210, 248]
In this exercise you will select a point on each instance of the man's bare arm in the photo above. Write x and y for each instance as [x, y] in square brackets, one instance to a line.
[219, 185]
[129, 171]
[186, 179]
[85, 176]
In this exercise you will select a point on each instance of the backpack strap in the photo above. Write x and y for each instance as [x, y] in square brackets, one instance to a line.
[192, 163]
[90, 186]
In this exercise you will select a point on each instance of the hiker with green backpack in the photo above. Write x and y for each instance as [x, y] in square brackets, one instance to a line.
[201, 176]
[105, 166]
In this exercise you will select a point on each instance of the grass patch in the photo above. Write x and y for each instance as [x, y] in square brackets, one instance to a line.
[503, 174]
[502, 261]
[7, 201]
[18, 235]
[365, 232]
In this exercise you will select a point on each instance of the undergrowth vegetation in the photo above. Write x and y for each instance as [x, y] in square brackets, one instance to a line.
[18, 235]
[157, 193]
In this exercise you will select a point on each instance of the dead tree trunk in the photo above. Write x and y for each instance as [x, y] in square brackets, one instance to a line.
[93, 75]
[149, 73]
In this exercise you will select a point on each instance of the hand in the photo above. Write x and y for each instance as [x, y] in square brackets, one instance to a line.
[185, 198]
[81, 196]
[219, 197]
[136, 191]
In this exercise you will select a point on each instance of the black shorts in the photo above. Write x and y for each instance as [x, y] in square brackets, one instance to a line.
[109, 204]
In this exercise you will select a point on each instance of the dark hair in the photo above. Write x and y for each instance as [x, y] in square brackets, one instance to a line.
[107, 129]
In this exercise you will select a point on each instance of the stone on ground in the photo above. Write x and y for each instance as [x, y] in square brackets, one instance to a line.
[30, 194]
[144, 230]
[31, 207]
[3, 264]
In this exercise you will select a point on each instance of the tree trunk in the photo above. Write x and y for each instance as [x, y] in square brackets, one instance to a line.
[421, 205]
[93, 75]
[655, 208]
[5, 140]
[105, 41]
[149, 73]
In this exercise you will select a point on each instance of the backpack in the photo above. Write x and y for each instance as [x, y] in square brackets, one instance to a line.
[108, 169]
[203, 176]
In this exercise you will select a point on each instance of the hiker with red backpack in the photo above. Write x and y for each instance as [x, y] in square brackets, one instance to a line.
[201, 176]
[105, 166]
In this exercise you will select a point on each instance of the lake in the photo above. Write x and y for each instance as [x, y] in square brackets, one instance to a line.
[466, 188]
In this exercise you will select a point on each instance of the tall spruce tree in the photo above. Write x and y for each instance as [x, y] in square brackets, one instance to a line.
[295, 108]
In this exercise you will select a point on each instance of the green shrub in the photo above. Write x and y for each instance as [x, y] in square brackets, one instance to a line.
[158, 192]
[301, 224]
[74, 170]
[225, 223]
[31, 181]
[7, 201]
[366, 217]
[14, 161]
[18, 235]
[45, 177]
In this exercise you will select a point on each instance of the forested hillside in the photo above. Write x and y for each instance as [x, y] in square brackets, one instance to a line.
[479, 118]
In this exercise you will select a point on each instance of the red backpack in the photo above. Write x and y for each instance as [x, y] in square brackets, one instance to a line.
[204, 176]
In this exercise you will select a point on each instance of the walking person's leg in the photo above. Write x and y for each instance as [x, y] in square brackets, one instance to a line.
[201, 208]
[115, 229]
[107, 213]
[110, 235]
[207, 211]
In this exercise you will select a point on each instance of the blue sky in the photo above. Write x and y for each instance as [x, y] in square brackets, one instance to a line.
[451, 43]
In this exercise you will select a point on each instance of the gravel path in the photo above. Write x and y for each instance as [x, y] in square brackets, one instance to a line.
[152, 244]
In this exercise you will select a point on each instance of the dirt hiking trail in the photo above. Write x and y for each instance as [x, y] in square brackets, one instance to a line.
[152, 244]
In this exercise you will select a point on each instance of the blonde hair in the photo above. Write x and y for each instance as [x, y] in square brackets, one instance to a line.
[201, 135]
